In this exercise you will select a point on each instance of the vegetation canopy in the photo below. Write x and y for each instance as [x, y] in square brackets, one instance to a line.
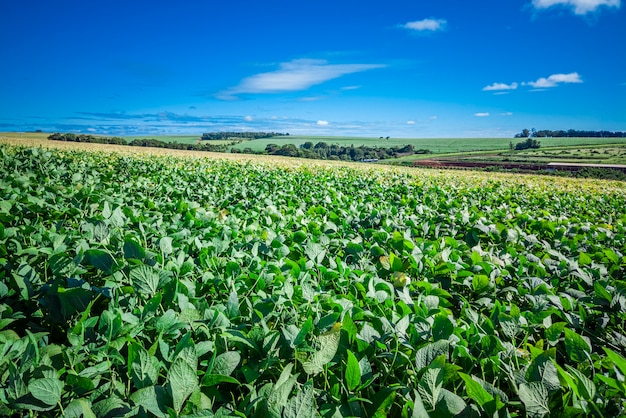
[162, 286]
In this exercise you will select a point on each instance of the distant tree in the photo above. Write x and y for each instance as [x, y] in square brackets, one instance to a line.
[528, 144]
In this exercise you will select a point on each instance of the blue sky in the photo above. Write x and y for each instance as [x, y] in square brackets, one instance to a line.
[361, 68]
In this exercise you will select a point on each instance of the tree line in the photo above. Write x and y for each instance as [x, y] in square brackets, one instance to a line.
[570, 133]
[320, 150]
[221, 136]
[150, 142]
[325, 151]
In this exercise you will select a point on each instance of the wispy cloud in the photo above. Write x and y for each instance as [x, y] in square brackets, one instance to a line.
[481, 114]
[296, 75]
[500, 86]
[322, 123]
[554, 80]
[430, 25]
[248, 118]
[410, 122]
[506, 114]
[581, 7]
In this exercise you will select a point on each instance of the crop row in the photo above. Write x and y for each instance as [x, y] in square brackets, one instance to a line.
[167, 286]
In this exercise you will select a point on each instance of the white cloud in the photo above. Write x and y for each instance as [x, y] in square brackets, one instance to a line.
[294, 75]
[580, 7]
[248, 118]
[554, 80]
[410, 122]
[481, 114]
[322, 122]
[507, 114]
[434, 117]
[500, 86]
[426, 25]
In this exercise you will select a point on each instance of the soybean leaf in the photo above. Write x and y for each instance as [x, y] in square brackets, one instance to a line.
[425, 355]
[182, 380]
[152, 399]
[133, 250]
[586, 388]
[302, 405]
[79, 408]
[617, 359]
[430, 386]
[145, 279]
[353, 371]
[534, 395]
[47, 390]
[328, 342]
[450, 403]
[476, 392]
[419, 411]
[226, 363]
[577, 348]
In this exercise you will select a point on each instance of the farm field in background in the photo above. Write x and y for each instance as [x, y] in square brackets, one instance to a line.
[168, 283]
[605, 150]
[436, 145]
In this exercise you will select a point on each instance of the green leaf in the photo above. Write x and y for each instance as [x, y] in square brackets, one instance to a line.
[111, 406]
[306, 328]
[610, 254]
[299, 237]
[47, 390]
[145, 279]
[349, 327]
[72, 300]
[144, 370]
[183, 381]
[395, 262]
[419, 411]
[165, 245]
[353, 371]
[226, 363]
[534, 395]
[315, 252]
[617, 359]
[133, 250]
[430, 386]
[280, 392]
[328, 342]
[425, 355]
[450, 403]
[542, 369]
[442, 328]
[101, 260]
[302, 405]
[577, 348]
[215, 379]
[79, 408]
[381, 403]
[480, 283]
[475, 391]
[584, 259]
[106, 211]
[553, 333]
[232, 305]
[152, 399]
[586, 388]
